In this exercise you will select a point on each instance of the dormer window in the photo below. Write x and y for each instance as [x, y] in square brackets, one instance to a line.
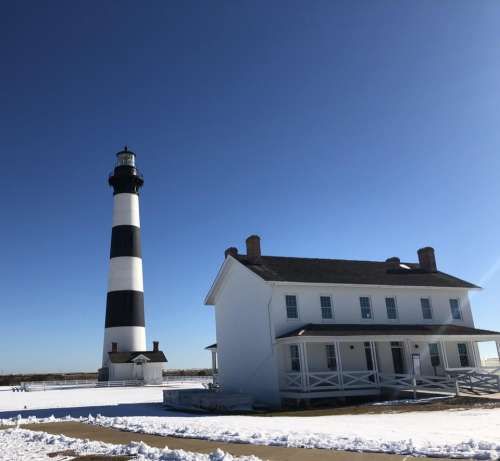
[366, 307]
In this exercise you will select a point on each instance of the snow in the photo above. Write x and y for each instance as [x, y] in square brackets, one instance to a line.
[126, 401]
[24, 445]
[466, 433]
[451, 433]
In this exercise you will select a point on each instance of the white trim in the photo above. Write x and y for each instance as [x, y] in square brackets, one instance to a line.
[216, 284]
[362, 285]
[363, 338]
[220, 279]
[141, 357]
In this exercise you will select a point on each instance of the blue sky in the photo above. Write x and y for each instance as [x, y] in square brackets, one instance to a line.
[333, 129]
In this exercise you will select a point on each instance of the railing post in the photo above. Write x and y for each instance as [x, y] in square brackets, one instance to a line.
[304, 368]
[443, 353]
[414, 385]
[475, 361]
[375, 361]
[339, 364]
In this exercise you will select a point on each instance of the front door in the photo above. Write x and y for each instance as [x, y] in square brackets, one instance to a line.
[139, 371]
[398, 357]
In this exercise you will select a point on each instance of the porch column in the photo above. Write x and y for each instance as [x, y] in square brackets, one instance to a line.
[339, 364]
[304, 368]
[409, 360]
[214, 363]
[498, 350]
[443, 354]
[373, 351]
[476, 361]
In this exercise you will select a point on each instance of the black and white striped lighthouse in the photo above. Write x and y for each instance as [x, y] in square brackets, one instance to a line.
[125, 327]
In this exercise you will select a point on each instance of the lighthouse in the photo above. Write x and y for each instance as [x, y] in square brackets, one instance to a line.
[125, 355]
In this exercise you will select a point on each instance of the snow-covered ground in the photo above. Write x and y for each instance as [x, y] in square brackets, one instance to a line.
[23, 445]
[117, 401]
[452, 433]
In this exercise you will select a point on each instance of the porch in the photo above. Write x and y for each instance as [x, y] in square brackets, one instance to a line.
[316, 365]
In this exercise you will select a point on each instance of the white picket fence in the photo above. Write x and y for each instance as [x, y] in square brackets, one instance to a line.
[187, 379]
[32, 386]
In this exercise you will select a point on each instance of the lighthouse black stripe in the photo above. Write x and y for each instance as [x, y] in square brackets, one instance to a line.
[125, 309]
[125, 241]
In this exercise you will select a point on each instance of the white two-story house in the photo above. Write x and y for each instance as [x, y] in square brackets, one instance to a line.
[291, 328]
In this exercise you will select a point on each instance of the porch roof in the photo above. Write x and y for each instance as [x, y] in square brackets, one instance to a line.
[315, 330]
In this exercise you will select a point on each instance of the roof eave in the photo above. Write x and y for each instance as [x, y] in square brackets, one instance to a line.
[216, 285]
[278, 282]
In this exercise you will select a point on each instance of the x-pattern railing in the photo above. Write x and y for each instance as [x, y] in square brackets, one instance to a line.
[396, 380]
[468, 381]
[294, 381]
[359, 379]
[323, 380]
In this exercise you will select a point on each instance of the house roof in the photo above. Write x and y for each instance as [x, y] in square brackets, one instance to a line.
[346, 271]
[128, 357]
[212, 346]
[313, 329]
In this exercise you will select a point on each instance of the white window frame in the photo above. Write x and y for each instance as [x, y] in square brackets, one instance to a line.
[430, 308]
[291, 319]
[395, 306]
[326, 295]
[363, 319]
[460, 311]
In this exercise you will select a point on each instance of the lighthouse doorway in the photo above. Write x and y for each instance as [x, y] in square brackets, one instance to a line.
[139, 371]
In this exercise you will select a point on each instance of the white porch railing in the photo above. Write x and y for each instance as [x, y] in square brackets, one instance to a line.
[330, 380]
[294, 381]
[323, 380]
[359, 379]
[467, 380]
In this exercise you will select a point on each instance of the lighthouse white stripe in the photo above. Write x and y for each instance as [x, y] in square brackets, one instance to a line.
[125, 273]
[126, 210]
[128, 339]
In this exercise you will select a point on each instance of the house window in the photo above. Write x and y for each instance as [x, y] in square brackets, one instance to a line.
[294, 357]
[390, 304]
[326, 307]
[434, 354]
[456, 313]
[426, 308]
[463, 355]
[331, 358]
[366, 307]
[291, 307]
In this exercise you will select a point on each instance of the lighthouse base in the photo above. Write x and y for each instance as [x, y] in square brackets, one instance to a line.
[146, 366]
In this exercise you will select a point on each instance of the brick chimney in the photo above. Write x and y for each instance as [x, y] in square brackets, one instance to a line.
[114, 347]
[156, 346]
[427, 259]
[253, 249]
[233, 251]
[393, 263]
